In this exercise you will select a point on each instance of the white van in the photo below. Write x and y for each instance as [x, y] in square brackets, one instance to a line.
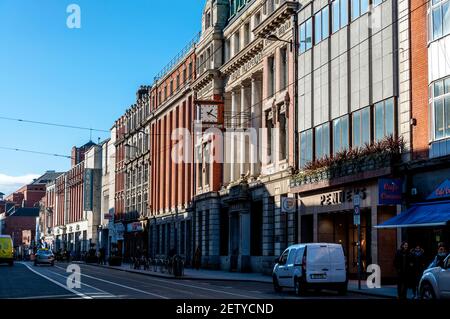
[311, 266]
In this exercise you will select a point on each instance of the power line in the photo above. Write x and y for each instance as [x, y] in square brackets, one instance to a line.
[33, 152]
[53, 124]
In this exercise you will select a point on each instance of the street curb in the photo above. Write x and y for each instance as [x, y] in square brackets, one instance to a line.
[153, 274]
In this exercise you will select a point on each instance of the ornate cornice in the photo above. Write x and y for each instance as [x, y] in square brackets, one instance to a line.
[242, 57]
[276, 19]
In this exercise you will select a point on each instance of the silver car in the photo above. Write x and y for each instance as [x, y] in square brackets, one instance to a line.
[44, 256]
[435, 282]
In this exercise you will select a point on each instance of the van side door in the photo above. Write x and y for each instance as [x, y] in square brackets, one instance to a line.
[338, 272]
[317, 264]
[444, 279]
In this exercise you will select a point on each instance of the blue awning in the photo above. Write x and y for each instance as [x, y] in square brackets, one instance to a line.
[421, 215]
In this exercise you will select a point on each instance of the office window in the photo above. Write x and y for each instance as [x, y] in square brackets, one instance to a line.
[171, 87]
[177, 83]
[284, 79]
[439, 17]
[207, 161]
[440, 107]
[190, 70]
[227, 50]
[322, 137]
[257, 19]
[359, 7]
[340, 134]
[271, 84]
[165, 93]
[339, 14]
[269, 125]
[384, 119]
[306, 147]
[184, 76]
[376, 2]
[246, 34]
[306, 36]
[322, 25]
[361, 127]
[237, 43]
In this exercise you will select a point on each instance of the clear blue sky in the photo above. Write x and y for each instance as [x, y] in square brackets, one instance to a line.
[85, 77]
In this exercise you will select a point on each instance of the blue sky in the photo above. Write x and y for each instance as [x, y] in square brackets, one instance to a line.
[85, 77]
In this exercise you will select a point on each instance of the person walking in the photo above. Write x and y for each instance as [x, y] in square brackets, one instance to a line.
[418, 258]
[404, 265]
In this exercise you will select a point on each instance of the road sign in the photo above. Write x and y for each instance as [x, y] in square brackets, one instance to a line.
[288, 205]
[356, 200]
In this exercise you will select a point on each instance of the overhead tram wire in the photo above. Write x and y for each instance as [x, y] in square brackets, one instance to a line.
[54, 124]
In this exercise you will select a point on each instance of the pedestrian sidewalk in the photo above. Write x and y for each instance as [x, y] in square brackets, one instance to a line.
[388, 291]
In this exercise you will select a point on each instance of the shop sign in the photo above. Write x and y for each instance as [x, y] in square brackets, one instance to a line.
[390, 191]
[134, 227]
[443, 191]
[342, 196]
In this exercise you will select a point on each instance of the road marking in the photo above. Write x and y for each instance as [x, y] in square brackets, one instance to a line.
[172, 282]
[123, 286]
[79, 294]
[100, 291]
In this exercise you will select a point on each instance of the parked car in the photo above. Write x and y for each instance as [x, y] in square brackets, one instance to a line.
[435, 282]
[44, 256]
[311, 266]
[6, 250]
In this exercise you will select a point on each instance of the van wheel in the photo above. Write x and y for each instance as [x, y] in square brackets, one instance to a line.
[276, 285]
[427, 292]
[298, 287]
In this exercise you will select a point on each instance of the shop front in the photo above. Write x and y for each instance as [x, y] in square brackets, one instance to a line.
[425, 223]
[328, 216]
[135, 239]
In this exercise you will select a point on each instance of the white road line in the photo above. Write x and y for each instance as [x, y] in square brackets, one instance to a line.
[79, 294]
[123, 286]
[172, 282]
[100, 291]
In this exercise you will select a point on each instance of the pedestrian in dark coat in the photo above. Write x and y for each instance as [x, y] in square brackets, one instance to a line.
[418, 257]
[404, 265]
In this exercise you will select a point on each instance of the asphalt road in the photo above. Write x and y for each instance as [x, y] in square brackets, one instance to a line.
[44, 282]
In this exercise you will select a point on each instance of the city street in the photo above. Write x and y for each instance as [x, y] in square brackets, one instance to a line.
[43, 282]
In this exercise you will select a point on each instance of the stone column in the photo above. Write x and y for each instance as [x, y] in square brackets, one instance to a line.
[234, 105]
[316, 227]
[278, 226]
[255, 114]
[244, 122]
[214, 233]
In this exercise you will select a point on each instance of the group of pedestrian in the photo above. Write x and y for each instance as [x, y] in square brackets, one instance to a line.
[410, 265]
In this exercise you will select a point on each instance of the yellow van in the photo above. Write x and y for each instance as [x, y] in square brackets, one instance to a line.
[6, 250]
